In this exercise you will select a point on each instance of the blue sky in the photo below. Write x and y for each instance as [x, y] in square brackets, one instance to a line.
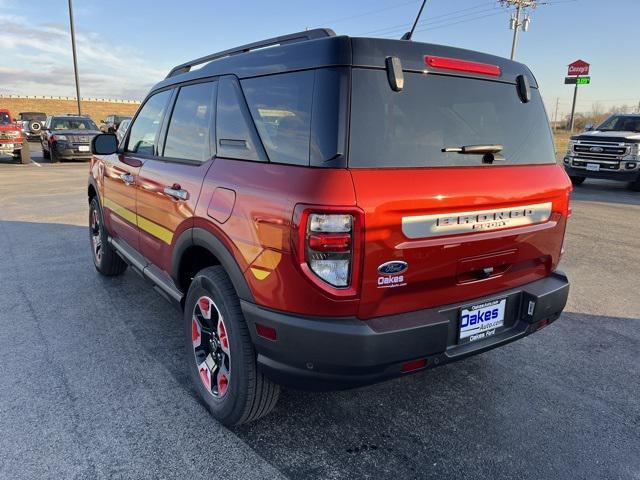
[125, 46]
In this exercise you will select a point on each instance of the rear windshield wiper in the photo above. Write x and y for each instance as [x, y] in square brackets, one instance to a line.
[490, 152]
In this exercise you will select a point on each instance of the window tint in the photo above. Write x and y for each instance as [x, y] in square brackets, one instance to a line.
[410, 128]
[188, 135]
[145, 129]
[236, 135]
[281, 108]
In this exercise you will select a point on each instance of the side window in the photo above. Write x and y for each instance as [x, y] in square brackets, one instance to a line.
[236, 135]
[146, 127]
[281, 108]
[189, 129]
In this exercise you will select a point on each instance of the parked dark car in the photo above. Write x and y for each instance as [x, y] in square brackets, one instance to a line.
[67, 137]
[32, 123]
[111, 123]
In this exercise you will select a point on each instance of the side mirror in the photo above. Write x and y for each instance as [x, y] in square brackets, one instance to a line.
[588, 127]
[104, 144]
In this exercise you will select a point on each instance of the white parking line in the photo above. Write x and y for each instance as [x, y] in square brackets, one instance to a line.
[37, 163]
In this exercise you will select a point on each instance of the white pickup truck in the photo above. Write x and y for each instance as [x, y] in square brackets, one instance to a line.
[610, 151]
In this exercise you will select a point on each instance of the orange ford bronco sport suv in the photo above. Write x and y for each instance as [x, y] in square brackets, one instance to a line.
[332, 211]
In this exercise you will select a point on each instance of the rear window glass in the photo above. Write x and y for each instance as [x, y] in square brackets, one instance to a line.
[281, 109]
[189, 129]
[410, 128]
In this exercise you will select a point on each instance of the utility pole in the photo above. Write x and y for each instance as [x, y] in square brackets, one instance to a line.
[75, 58]
[555, 116]
[516, 28]
[517, 22]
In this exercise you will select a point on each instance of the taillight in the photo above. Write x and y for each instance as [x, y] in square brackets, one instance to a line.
[328, 241]
[328, 247]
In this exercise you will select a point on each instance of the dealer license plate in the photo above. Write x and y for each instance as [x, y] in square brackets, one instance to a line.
[482, 320]
[83, 148]
[6, 145]
[593, 167]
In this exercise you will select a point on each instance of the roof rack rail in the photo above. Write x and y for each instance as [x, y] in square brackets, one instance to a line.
[290, 38]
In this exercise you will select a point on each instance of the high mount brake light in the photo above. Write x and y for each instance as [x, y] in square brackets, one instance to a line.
[462, 65]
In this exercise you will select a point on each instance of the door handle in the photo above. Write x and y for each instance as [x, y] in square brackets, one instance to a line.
[127, 178]
[176, 192]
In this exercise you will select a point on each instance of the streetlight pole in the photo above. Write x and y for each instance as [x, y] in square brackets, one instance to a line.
[75, 58]
[573, 105]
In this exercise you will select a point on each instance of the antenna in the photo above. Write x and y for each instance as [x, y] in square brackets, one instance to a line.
[409, 34]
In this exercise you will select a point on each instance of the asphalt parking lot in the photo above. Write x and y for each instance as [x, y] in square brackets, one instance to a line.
[93, 384]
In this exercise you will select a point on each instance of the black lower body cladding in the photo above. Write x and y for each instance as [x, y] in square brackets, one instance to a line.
[336, 353]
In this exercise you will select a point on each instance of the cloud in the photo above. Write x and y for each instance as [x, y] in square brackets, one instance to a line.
[40, 63]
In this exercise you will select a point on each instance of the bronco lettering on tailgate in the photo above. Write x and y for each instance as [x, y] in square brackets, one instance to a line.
[465, 222]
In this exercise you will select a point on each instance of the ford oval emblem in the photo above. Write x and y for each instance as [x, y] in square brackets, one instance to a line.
[394, 267]
[596, 149]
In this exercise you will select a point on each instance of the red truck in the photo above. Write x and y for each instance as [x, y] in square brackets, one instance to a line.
[331, 212]
[11, 136]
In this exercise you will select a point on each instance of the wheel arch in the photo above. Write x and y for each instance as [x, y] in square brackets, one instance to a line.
[198, 240]
[92, 189]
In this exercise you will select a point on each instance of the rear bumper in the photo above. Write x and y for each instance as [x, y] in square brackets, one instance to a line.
[621, 175]
[329, 353]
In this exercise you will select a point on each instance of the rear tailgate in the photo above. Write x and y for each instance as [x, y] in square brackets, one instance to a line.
[467, 225]
[445, 267]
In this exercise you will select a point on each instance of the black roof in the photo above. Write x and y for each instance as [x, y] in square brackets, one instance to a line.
[322, 48]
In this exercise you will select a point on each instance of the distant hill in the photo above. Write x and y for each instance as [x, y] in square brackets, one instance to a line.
[97, 109]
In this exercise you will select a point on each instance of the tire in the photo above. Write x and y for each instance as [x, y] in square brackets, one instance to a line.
[577, 180]
[54, 158]
[635, 186]
[105, 258]
[226, 379]
[45, 153]
[35, 126]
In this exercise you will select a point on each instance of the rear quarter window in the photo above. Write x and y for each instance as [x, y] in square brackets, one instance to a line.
[281, 109]
[410, 128]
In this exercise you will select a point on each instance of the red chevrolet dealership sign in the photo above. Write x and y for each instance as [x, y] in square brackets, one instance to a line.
[578, 67]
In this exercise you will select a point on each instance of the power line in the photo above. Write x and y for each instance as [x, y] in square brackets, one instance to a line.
[450, 20]
[429, 27]
[403, 26]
